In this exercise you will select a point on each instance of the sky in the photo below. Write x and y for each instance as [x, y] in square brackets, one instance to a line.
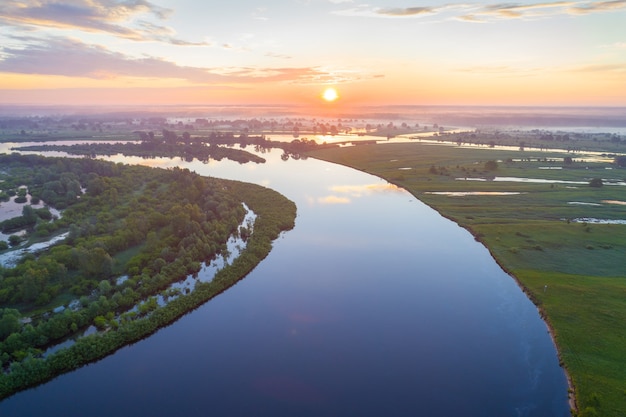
[375, 52]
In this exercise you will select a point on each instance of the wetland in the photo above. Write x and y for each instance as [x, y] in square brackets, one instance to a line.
[358, 309]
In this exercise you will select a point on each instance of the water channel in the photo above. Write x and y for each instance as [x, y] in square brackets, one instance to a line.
[374, 305]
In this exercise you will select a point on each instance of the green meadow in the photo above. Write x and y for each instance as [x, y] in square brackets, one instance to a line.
[573, 270]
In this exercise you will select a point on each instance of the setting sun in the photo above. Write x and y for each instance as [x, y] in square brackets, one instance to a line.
[330, 94]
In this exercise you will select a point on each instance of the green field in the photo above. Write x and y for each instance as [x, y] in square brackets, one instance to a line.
[574, 270]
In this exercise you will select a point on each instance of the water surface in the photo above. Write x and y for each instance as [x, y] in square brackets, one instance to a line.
[374, 305]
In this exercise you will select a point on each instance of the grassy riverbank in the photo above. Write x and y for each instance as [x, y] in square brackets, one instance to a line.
[572, 269]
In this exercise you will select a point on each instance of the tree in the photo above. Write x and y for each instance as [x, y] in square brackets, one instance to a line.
[28, 212]
[95, 263]
[9, 322]
[596, 183]
[34, 281]
[14, 240]
[491, 165]
[104, 287]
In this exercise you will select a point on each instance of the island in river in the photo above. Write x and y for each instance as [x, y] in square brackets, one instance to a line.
[131, 232]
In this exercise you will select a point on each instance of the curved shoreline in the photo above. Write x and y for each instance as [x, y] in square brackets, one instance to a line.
[571, 392]
[271, 221]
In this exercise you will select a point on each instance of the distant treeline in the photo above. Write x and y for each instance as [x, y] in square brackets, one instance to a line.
[189, 151]
[216, 146]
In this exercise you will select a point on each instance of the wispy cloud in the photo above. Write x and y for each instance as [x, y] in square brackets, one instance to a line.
[340, 76]
[73, 58]
[602, 68]
[70, 57]
[480, 12]
[597, 6]
[618, 45]
[114, 17]
[408, 11]
[502, 70]
[276, 55]
[260, 13]
[518, 11]
[515, 71]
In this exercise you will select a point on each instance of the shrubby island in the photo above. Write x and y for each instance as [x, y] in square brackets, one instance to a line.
[151, 226]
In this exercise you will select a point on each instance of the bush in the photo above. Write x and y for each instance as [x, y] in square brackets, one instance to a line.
[596, 182]
[491, 165]
[14, 240]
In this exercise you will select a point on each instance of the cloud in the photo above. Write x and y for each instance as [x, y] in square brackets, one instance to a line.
[113, 17]
[480, 12]
[618, 45]
[597, 6]
[409, 11]
[73, 58]
[602, 68]
[259, 13]
[276, 55]
[70, 57]
[521, 71]
[502, 70]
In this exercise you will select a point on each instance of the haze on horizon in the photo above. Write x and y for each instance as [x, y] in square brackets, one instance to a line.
[169, 52]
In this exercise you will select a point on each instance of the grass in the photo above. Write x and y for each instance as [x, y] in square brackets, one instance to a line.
[530, 236]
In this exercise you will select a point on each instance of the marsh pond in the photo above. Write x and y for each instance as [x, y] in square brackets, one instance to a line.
[373, 305]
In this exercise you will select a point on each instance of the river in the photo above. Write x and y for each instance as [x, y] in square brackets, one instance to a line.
[373, 305]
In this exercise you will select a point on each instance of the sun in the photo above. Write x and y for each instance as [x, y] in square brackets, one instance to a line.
[330, 94]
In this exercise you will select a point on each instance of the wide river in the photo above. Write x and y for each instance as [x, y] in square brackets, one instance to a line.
[373, 305]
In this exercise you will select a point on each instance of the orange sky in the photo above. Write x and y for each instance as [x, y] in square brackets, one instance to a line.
[107, 52]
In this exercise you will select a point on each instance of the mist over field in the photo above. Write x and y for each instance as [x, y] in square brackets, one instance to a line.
[590, 118]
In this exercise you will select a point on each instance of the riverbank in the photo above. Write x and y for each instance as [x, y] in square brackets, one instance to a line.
[569, 268]
[571, 394]
[154, 250]
[571, 391]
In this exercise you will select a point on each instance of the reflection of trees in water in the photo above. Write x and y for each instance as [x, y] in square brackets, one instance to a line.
[188, 152]
[217, 146]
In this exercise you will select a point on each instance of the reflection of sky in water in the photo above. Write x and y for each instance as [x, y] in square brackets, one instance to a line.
[582, 203]
[540, 180]
[470, 193]
[7, 147]
[9, 259]
[597, 221]
[618, 202]
[10, 209]
[378, 307]
[347, 192]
